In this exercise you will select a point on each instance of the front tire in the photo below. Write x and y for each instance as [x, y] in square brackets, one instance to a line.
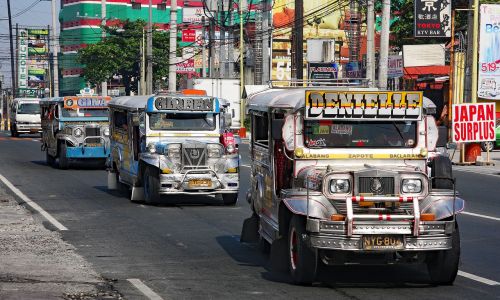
[51, 161]
[151, 184]
[229, 199]
[63, 159]
[443, 265]
[441, 167]
[13, 132]
[302, 260]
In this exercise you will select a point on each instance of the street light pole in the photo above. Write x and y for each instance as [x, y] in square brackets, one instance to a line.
[56, 50]
[384, 45]
[370, 43]
[475, 45]
[242, 75]
[172, 74]
[104, 84]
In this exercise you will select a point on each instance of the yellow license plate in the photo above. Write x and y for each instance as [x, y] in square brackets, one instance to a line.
[93, 145]
[383, 242]
[199, 183]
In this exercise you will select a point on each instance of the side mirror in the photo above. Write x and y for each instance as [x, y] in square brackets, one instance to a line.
[451, 146]
[135, 120]
[277, 129]
[442, 136]
[228, 119]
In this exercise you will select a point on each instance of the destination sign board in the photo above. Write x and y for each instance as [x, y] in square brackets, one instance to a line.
[86, 102]
[362, 105]
[184, 103]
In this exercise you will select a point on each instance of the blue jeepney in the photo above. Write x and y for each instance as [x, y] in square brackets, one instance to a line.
[75, 128]
[173, 144]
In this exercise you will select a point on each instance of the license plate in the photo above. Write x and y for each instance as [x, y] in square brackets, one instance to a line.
[383, 242]
[199, 183]
[93, 145]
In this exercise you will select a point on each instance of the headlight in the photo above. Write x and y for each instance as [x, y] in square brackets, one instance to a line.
[411, 186]
[77, 132]
[106, 131]
[214, 150]
[230, 149]
[340, 186]
[151, 148]
[174, 151]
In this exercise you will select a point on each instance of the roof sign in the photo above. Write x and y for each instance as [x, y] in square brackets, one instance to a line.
[363, 105]
[184, 103]
[86, 102]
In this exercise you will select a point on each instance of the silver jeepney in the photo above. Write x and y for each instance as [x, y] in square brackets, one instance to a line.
[173, 144]
[367, 183]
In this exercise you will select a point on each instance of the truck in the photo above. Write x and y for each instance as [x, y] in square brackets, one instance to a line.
[25, 116]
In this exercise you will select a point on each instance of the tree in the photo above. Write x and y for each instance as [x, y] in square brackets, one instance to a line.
[119, 55]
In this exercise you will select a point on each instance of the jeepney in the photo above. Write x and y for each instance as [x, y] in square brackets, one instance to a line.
[351, 175]
[172, 144]
[25, 116]
[75, 128]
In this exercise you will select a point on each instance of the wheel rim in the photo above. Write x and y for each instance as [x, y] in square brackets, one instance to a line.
[293, 249]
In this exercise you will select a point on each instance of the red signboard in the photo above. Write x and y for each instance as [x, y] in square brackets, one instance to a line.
[186, 67]
[473, 122]
[189, 35]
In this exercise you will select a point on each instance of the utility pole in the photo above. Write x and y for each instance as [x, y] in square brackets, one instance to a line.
[203, 49]
[172, 74]
[475, 45]
[258, 49]
[104, 84]
[211, 52]
[384, 45]
[56, 49]
[266, 12]
[370, 43]
[222, 40]
[242, 75]
[142, 82]
[149, 51]
[298, 28]
[13, 75]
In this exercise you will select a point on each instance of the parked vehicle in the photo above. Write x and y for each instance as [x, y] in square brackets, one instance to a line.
[75, 128]
[489, 146]
[351, 175]
[173, 144]
[25, 116]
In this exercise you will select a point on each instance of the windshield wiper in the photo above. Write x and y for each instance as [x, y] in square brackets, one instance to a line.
[399, 132]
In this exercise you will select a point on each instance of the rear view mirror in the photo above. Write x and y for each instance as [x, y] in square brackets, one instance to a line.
[451, 146]
[228, 119]
[277, 129]
[442, 136]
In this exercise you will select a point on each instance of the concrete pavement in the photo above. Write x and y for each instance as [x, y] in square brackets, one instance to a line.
[35, 263]
[479, 168]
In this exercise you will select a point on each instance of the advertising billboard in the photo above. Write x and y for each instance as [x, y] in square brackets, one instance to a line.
[432, 18]
[489, 52]
[473, 122]
[32, 61]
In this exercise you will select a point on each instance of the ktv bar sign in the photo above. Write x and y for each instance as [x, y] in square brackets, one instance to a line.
[473, 122]
[432, 18]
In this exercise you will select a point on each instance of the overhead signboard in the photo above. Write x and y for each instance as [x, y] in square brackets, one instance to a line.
[489, 52]
[189, 35]
[22, 58]
[432, 18]
[192, 14]
[323, 70]
[395, 66]
[324, 105]
[423, 55]
[186, 67]
[473, 122]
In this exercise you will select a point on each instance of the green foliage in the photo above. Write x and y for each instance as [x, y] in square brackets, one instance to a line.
[119, 54]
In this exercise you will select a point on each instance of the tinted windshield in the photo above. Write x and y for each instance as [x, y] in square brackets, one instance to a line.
[84, 112]
[28, 108]
[362, 134]
[183, 121]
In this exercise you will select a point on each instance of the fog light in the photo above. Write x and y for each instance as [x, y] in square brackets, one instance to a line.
[427, 217]
[337, 217]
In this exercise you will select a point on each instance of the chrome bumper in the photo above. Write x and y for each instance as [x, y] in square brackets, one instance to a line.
[330, 235]
[227, 183]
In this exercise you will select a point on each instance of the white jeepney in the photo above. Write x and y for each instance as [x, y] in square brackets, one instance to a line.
[25, 116]
[173, 144]
[351, 175]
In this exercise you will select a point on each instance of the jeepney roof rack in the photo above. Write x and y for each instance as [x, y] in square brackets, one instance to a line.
[338, 82]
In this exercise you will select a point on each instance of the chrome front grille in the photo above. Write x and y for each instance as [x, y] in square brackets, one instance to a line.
[92, 131]
[193, 158]
[376, 185]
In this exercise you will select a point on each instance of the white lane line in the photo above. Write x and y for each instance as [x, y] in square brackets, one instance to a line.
[144, 289]
[480, 216]
[32, 204]
[478, 278]
[246, 166]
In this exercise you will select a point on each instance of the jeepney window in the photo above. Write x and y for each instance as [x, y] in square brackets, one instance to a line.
[260, 129]
[120, 120]
[182, 121]
[84, 112]
[361, 134]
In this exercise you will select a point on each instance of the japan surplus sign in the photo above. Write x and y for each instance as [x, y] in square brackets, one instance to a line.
[473, 122]
[432, 18]
[489, 52]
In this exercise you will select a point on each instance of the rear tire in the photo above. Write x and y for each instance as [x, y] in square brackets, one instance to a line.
[151, 184]
[63, 159]
[229, 199]
[441, 167]
[302, 260]
[443, 265]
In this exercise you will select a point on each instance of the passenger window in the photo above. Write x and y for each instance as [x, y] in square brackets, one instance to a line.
[120, 120]
[260, 130]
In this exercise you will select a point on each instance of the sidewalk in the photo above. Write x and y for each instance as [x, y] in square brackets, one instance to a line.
[35, 263]
[483, 169]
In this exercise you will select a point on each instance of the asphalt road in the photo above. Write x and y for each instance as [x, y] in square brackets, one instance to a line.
[191, 250]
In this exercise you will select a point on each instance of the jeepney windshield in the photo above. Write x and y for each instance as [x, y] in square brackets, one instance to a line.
[28, 108]
[360, 134]
[181, 121]
[83, 112]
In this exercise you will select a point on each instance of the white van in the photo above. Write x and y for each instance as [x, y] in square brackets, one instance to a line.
[25, 116]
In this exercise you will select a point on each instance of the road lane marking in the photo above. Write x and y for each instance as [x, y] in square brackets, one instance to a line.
[478, 278]
[144, 289]
[32, 204]
[480, 216]
[246, 166]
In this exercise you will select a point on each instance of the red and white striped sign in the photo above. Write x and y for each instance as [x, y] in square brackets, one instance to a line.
[473, 122]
